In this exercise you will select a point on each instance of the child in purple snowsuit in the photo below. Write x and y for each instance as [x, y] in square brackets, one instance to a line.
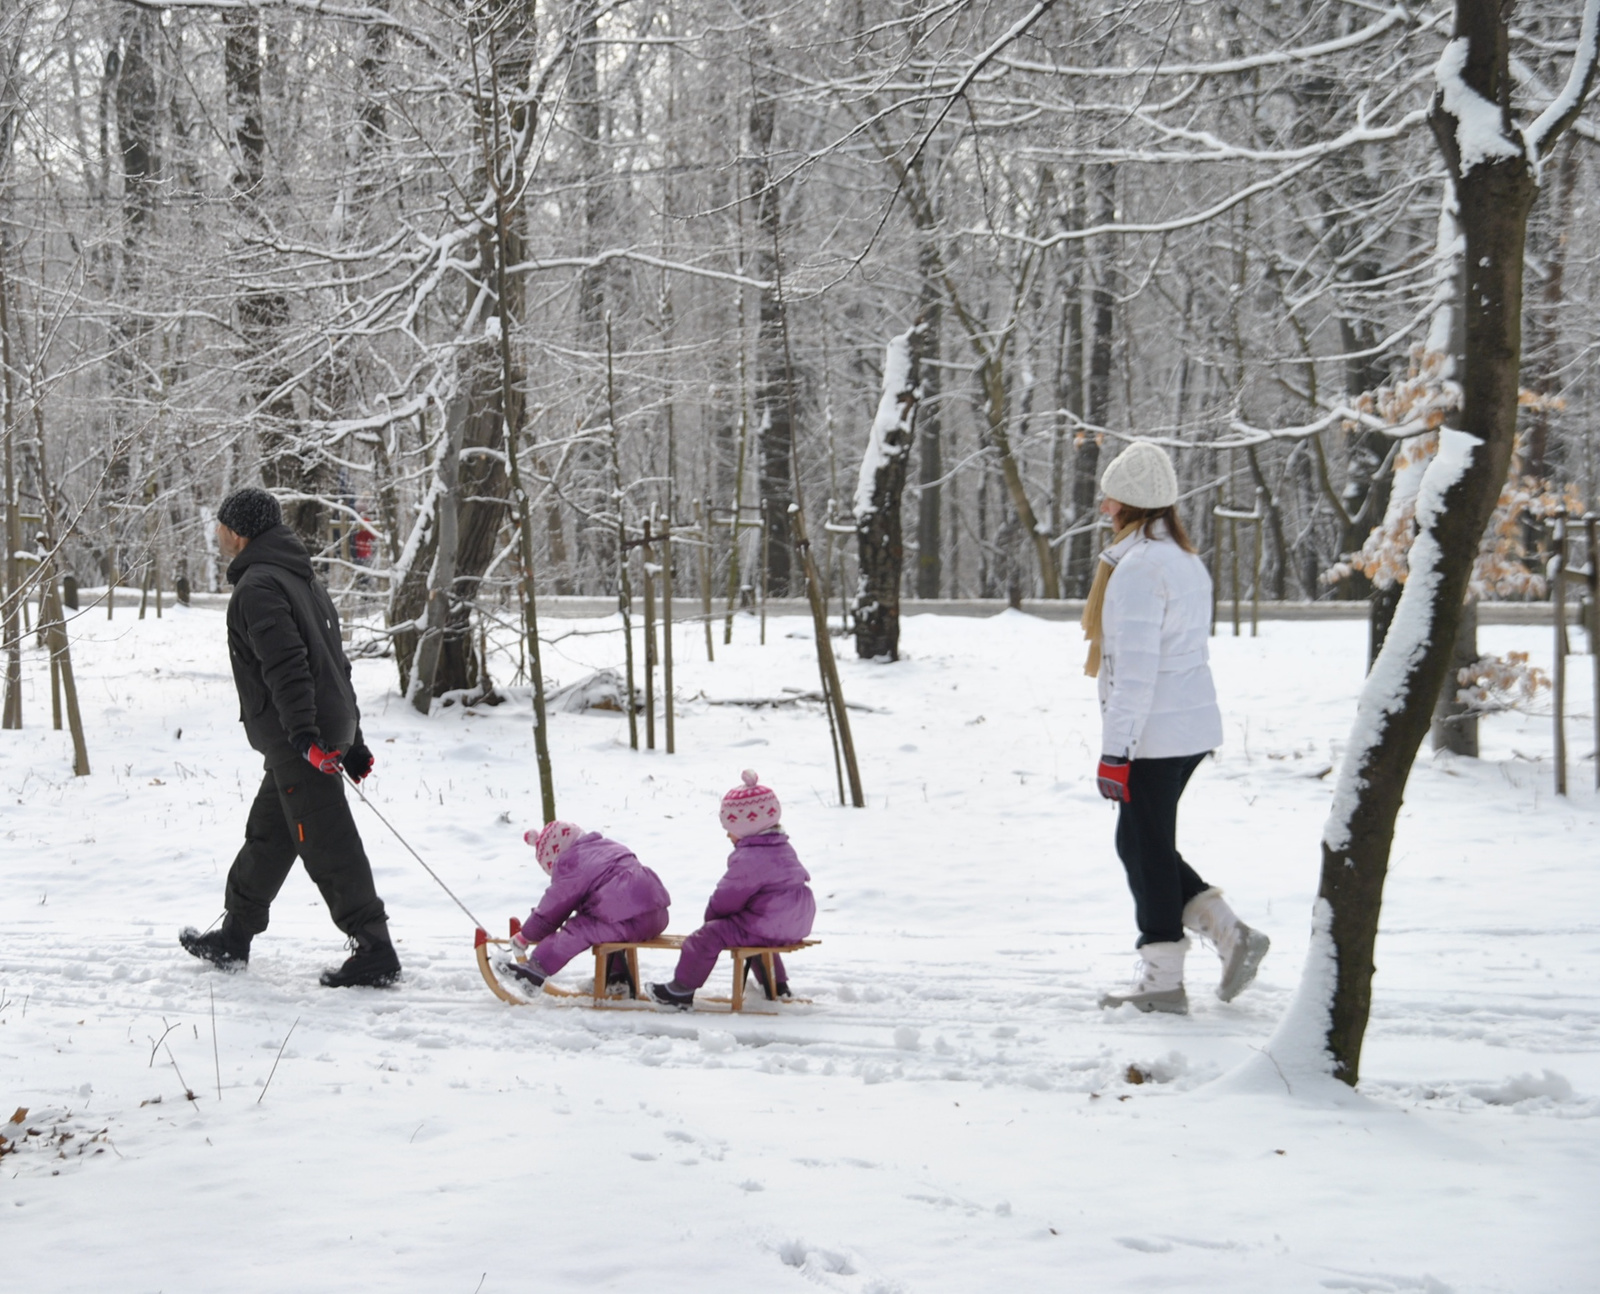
[599, 893]
[762, 899]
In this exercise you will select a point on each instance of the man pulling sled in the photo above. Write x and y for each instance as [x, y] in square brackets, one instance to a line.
[299, 711]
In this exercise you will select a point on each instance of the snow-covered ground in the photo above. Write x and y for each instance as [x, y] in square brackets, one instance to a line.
[951, 1112]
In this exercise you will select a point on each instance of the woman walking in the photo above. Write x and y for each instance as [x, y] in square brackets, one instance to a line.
[1147, 620]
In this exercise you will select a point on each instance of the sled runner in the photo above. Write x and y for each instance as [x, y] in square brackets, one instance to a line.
[599, 996]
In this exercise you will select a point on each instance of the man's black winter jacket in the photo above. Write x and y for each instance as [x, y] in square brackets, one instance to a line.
[288, 663]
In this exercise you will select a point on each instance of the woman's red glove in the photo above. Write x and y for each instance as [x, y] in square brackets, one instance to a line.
[1112, 778]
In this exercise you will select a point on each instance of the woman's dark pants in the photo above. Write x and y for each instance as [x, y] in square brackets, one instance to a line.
[1147, 829]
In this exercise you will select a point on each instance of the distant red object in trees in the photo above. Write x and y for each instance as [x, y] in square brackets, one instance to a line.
[361, 546]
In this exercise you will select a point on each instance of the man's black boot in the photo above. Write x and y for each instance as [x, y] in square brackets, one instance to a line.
[228, 946]
[373, 964]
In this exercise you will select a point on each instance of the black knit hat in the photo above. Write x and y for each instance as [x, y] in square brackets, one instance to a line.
[250, 512]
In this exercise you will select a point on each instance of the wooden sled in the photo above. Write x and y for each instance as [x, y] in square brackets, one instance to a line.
[598, 997]
[482, 941]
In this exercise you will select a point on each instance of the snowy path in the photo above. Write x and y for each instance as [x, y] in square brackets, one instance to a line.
[951, 1113]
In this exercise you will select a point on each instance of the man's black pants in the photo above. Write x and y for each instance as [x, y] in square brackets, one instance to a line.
[1147, 830]
[299, 812]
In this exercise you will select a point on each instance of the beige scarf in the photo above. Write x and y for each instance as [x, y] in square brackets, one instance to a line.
[1094, 608]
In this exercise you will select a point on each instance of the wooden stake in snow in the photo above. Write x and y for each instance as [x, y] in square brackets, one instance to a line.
[649, 638]
[624, 584]
[702, 508]
[828, 666]
[766, 567]
[1591, 526]
[1558, 668]
[666, 634]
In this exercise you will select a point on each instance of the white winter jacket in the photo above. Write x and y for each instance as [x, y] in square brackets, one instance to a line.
[1156, 696]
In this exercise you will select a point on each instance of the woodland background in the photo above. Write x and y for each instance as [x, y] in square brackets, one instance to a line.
[559, 270]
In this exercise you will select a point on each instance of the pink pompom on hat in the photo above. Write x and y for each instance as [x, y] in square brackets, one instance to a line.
[750, 809]
[551, 841]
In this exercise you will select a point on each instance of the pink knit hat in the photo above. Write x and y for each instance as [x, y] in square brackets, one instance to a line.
[749, 809]
[551, 841]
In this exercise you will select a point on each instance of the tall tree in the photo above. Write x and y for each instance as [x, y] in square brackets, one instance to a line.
[1493, 162]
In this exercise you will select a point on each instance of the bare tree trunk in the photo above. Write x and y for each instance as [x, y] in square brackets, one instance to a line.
[930, 537]
[1086, 458]
[1455, 727]
[13, 591]
[877, 502]
[1069, 380]
[773, 403]
[1549, 233]
[992, 374]
[288, 463]
[587, 114]
[132, 65]
[1274, 523]
[442, 577]
[52, 619]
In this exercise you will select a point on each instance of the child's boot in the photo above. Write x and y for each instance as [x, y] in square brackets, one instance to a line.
[527, 974]
[673, 994]
[758, 968]
[619, 980]
[1159, 983]
[1240, 948]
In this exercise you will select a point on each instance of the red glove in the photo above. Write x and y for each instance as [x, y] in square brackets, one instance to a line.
[1112, 778]
[324, 761]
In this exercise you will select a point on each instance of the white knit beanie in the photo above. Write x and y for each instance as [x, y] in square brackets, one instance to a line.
[1141, 476]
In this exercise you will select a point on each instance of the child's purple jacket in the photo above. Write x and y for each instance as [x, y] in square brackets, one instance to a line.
[599, 879]
[765, 888]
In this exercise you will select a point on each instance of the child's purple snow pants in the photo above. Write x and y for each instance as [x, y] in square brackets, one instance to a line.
[701, 949]
[581, 933]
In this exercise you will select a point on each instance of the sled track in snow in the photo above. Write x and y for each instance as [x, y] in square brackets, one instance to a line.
[1036, 1028]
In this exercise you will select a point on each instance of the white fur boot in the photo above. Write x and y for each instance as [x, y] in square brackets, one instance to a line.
[1240, 948]
[1159, 983]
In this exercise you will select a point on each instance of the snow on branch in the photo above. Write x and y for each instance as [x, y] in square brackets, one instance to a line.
[1216, 149]
[1393, 17]
[337, 429]
[641, 258]
[1563, 110]
[1204, 216]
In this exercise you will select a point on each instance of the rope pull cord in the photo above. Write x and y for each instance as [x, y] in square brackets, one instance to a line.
[362, 796]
